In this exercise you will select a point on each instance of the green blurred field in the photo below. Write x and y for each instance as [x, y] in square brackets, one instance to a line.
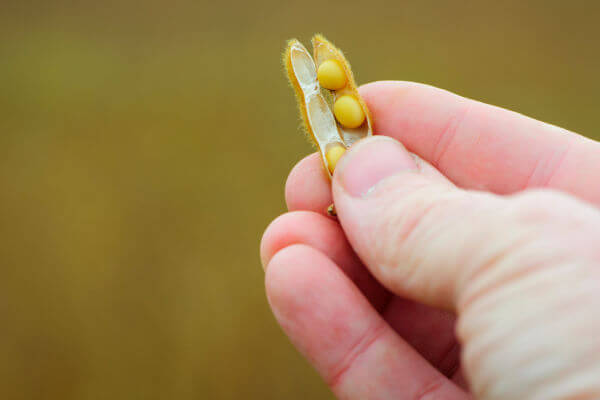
[144, 148]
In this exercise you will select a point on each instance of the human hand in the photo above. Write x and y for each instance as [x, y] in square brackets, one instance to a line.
[448, 275]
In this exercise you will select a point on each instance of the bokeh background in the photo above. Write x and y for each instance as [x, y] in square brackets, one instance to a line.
[143, 150]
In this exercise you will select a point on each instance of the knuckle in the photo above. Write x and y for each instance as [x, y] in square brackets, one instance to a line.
[554, 217]
[409, 222]
[538, 206]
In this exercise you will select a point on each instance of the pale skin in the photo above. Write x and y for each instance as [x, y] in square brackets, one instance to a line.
[464, 262]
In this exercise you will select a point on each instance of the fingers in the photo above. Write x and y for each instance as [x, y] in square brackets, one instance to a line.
[336, 328]
[308, 187]
[484, 147]
[420, 236]
[521, 271]
[324, 234]
[428, 330]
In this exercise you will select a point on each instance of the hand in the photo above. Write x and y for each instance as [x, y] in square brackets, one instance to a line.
[448, 275]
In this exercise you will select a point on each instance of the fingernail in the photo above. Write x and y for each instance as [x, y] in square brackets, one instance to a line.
[371, 161]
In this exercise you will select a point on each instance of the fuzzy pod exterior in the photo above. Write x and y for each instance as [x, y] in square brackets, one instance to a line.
[315, 103]
[324, 50]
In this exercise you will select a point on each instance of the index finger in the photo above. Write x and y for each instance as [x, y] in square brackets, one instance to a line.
[479, 146]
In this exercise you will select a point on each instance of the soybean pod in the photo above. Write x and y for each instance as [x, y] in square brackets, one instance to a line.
[334, 114]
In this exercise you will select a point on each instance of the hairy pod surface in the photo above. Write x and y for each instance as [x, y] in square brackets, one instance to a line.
[333, 113]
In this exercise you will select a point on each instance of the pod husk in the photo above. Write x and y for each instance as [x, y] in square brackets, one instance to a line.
[315, 103]
[324, 50]
[315, 111]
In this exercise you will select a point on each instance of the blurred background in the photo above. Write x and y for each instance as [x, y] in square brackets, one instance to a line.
[144, 148]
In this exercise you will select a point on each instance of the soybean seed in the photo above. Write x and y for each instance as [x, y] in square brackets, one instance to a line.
[348, 111]
[333, 155]
[331, 75]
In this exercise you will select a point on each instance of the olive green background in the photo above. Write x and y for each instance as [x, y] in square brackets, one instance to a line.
[144, 148]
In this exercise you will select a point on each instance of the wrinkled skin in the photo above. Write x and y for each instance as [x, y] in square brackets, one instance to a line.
[463, 264]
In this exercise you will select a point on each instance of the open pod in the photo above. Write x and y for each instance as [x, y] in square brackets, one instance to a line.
[324, 51]
[334, 114]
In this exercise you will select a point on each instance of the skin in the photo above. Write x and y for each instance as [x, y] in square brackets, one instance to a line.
[463, 263]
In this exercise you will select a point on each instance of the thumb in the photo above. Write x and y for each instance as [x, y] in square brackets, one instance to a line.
[521, 271]
[421, 236]
[426, 239]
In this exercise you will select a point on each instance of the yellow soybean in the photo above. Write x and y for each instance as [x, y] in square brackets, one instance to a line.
[333, 155]
[331, 75]
[348, 112]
